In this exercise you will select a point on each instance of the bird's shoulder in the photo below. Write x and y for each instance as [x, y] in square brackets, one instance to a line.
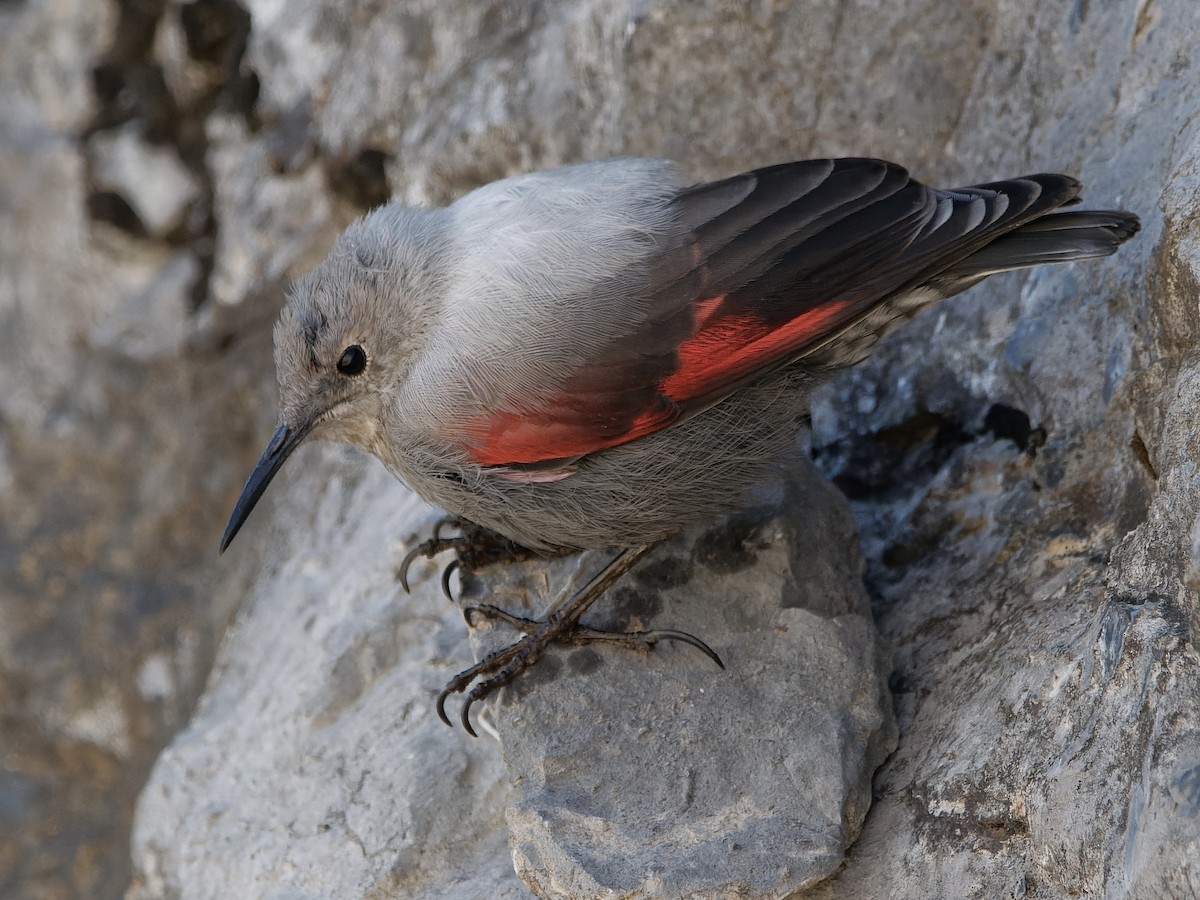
[586, 213]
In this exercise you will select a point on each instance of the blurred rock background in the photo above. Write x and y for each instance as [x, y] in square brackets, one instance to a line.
[1020, 462]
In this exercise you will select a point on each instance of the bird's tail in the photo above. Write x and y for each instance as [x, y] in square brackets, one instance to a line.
[1047, 236]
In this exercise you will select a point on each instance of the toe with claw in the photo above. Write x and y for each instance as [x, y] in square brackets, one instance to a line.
[474, 546]
[500, 668]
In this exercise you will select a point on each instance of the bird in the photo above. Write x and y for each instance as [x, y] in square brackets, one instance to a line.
[602, 355]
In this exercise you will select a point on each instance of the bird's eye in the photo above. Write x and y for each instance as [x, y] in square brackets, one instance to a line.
[352, 361]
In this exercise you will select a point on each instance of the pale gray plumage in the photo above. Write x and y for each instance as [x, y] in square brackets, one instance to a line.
[572, 305]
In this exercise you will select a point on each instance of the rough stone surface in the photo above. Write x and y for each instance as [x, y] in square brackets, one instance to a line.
[315, 766]
[126, 422]
[1020, 462]
[664, 776]
[152, 180]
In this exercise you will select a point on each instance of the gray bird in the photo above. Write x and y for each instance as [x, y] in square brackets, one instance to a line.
[601, 356]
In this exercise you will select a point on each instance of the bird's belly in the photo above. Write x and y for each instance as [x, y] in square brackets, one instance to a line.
[642, 491]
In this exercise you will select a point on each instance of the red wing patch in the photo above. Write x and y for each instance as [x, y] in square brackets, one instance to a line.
[723, 351]
[514, 438]
[726, 349]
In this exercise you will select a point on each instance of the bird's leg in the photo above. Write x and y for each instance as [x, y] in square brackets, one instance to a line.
[560, 625]
[474, 546]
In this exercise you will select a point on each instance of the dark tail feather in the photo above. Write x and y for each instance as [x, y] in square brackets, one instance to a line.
[1054, 238]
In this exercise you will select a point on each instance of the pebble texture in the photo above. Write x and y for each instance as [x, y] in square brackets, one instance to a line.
[1020, 464]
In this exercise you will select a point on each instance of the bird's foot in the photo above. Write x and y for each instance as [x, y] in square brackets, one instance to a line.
[474, 548]
[498, 669]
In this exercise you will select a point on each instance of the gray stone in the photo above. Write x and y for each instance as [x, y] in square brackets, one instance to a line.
[152, 319]
[152, 180]
[114, 469]
[322, 754]
[315, 766]
[663, 776]
[45, 64]
[276, 226]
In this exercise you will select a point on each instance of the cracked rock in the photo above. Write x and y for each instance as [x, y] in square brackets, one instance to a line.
[152, 180]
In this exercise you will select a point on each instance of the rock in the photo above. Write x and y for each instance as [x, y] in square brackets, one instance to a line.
[46, 60]
[316, 763]
[152, 180]
[113, 470]
[350, 785]
[151, 321]
[199, 47]
[662, 776]
[1038, 597]
[276, 226]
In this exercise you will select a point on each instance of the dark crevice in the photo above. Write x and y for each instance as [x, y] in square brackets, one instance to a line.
[362, 179]
[240, 96]
[128, 82]
[1008, 423]
[1142, 454]
[1005, 827]
[216, 31]
[886, 464]
[112, 208]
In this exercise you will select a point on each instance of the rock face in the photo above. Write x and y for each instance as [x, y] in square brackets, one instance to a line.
[667, 777]
[661, 774]
[354, 787]
[1019, 462]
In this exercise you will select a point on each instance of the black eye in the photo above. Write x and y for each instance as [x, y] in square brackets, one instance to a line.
[353, 360]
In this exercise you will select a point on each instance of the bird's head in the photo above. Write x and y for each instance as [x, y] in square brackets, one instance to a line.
[347, 339]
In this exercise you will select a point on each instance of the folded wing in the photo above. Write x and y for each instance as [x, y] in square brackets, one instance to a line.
[776, 264]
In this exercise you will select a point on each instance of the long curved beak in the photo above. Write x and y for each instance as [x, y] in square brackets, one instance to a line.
[283, 442]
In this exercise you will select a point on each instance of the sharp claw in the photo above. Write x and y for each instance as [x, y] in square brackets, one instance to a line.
[464, 717]
[561, 625]
[442, 523]
[670, 634]
[402, 572]
[467, 543]
[441, 707]
[446, 573]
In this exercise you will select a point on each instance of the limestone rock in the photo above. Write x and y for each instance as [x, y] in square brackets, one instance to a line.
[662, 776]
[152, 180]
[316, 766]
